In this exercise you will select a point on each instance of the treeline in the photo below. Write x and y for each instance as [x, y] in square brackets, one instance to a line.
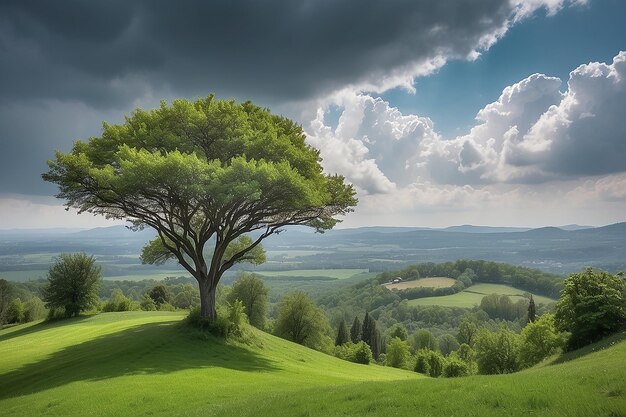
[531, 280]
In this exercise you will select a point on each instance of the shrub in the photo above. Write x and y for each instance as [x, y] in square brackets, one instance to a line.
[148, 304]
[435, 363]
[15, 312]
[496, 353]
[397, 353]
[166, 307]
[253, 293]
[34, 309]
[455, 367]
[538, 340]
[421, 362]
[118, 302]
[362, 353]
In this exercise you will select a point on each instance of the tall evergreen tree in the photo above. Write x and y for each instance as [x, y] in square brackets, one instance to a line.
[366, 331]
[532, 313]
[355, 330]
[377, 342]
[342, 334]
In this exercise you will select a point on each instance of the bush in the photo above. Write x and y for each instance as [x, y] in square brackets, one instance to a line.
[455, 367]
[428, 362]
[148, 304]
[397, 353]
[354, 352]
[496, 353]
[301, 321]
[15, 312]
[592, 305]
[229, 321]
[34, 309]
[253, 293]
[118, 302]
[166, 307]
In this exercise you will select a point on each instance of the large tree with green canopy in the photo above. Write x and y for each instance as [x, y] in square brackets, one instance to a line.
[212, 177]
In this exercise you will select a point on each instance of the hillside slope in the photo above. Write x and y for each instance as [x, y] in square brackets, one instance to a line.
[141, 363]
[148, 364]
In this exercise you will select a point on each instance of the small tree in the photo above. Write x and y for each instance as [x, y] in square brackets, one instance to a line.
[300, 320]
[355, 330]
[254, 295]
[399, 331]
[496, 353]
[159, 295]
[467, 331]
[421, 362]
[15, 312]
[6, 292]
[592, 305]
[34, 309]
[424, 339]
[447, 344]
[342, 334]
[73, 284]
[532, 310]
[397, 353]
[538, 340]
[455, 367]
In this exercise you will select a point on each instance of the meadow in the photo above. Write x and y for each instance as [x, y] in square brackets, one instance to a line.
[474, 294]
[149, 363]
[431, 282]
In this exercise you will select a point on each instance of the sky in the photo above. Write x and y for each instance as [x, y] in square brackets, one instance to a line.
[487, 112]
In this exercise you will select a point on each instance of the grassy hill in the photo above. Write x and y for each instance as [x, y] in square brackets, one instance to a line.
[472, 296]
[148, 364]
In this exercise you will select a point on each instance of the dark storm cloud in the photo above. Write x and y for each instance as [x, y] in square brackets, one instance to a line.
[275, 50]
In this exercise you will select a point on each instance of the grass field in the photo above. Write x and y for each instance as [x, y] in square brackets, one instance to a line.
[139, 363]
[433, 282]
[330, 273]
[472, 296]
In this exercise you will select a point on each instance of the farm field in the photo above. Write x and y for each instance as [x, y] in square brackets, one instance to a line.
[140, 363]
[472, 296]
[432, 282]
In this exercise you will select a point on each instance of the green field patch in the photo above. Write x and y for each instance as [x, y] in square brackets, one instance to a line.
[474, 294]
[432, 282]
[329, 273]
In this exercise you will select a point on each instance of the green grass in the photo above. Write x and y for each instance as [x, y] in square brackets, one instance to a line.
[138, 363]
[472, 296]
[330, 273]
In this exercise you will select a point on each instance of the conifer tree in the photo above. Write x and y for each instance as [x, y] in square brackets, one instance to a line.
[355, 330]
[342, 334]
[532, 315]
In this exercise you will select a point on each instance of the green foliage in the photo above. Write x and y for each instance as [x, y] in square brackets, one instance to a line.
[500, 306]
[497, 352]
[119, 302]
[6, 292]
[397, 353]
[465, 353]
[355, 330]
[230, 321]
[15, 312]
[73, 284]
[399, 331]
[538, 340]
[301, 321]
[166, 307]
[592, 305]
[160, 295]
[467, 277]
[342, 334]
[422, 364]
[253, 293]
[34, 309]
[424, 339]
[447, 344]
[455, 367]
[354, 352]
[203, 174]
[148, 304]
[467, 331]
[186, 298]
[532, 310]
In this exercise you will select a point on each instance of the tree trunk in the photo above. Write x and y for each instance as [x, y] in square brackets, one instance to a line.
[207, 299]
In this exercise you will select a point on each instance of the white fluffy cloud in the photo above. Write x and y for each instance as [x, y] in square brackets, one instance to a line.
[572, 142]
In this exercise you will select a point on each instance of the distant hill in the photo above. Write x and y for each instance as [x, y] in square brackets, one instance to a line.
[467, 228]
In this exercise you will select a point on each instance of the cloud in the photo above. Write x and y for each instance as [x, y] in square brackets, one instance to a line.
[106, 53]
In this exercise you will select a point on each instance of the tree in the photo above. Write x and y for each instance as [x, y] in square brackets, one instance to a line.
[397, 353]
[496, 353]
[538, 340]
[254, 295]
[455, 367]
[15, 312]
[6, 292]
[73, 284]
[467, 331]
[447, 344]
[34, 309]
[342, 334]
[300, 320]
[355, 330]
[424, 339]
[399, 331]
[532, 310]
[186, 298]
[203, 174]
[159, 295]
[366, 329]
[592, 305]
